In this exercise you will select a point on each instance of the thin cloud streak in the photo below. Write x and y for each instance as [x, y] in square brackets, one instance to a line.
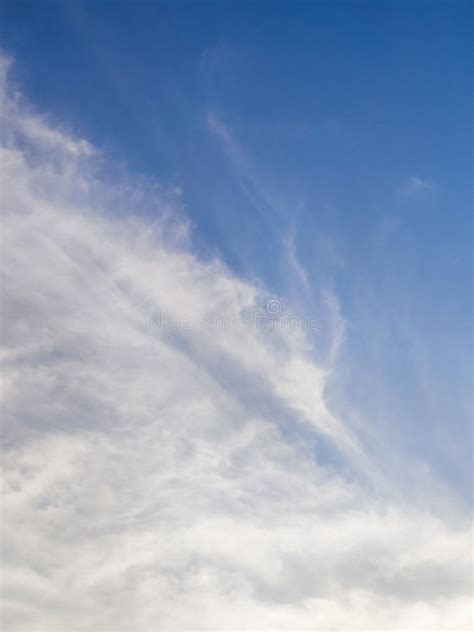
[416, 185]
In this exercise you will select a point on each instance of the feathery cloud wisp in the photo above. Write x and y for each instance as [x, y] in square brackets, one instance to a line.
[416, 185]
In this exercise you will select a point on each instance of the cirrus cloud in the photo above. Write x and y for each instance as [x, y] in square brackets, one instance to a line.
[155, 481]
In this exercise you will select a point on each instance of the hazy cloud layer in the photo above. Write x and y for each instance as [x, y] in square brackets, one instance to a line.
[169, 480]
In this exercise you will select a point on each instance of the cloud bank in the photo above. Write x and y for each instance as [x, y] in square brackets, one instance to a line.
[168, 480]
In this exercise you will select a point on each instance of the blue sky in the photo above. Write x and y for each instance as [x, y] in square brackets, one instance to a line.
[319, 150]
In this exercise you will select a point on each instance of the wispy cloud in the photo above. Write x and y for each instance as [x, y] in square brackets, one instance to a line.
[294, 262]
[415, 185]
[222, 131]
[243, 170]
[155, 480]
[260, 198]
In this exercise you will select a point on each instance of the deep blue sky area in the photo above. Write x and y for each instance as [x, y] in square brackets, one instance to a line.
[333, 134]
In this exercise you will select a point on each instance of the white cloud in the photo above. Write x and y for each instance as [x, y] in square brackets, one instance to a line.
[168, 481]
[217, 127]
[294, 262]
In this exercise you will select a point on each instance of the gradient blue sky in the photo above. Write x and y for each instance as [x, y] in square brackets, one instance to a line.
[339, 131]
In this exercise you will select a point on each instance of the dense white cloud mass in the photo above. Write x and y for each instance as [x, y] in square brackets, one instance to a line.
[167, 479]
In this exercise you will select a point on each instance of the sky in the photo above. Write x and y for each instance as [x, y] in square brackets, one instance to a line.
[236, 315]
